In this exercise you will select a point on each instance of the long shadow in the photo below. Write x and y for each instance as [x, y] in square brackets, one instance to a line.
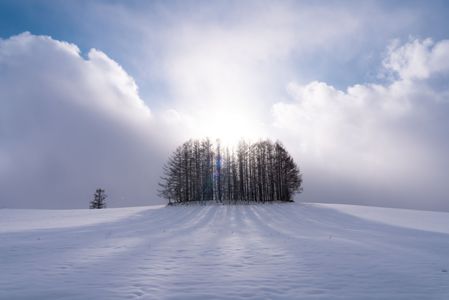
[156, 231]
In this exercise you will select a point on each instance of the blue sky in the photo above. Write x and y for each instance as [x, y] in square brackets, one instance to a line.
[89, 25]
[355, 90]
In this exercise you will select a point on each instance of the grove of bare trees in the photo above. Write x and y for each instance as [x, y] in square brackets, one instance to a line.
[200, 170]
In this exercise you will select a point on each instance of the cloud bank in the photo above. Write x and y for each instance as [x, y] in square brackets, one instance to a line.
[68, 125]
[383, 144]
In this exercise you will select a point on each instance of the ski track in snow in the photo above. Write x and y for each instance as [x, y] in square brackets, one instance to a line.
[275, 251]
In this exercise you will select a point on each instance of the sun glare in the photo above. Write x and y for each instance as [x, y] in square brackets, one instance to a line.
[230, 128]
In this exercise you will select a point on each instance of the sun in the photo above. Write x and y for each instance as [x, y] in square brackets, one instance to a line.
[229, 127]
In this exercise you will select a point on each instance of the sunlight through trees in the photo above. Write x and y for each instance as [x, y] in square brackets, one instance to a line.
[199, 170]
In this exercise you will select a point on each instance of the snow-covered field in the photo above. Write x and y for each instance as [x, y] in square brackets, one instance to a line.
[280, 251]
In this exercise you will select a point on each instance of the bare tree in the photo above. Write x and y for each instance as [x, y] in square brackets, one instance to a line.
[260, 172]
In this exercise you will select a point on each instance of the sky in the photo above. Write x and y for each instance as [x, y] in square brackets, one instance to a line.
[98, 94]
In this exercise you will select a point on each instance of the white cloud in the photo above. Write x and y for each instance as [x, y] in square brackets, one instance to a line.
[372, 136]
[418, 59]
[68, 125]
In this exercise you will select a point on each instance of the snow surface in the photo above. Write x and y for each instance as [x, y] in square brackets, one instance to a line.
[279, 251]
[31, 219]
[417, 219]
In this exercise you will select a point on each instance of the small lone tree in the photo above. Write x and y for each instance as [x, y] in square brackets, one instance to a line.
[99, 200]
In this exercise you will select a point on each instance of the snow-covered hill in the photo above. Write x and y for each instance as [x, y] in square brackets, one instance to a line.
[280, 251]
